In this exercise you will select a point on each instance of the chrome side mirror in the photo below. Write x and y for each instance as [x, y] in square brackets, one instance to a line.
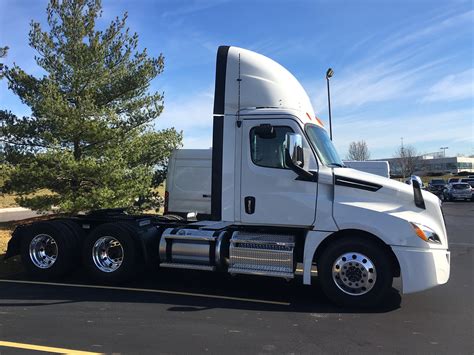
[294, 157]
[294, 149]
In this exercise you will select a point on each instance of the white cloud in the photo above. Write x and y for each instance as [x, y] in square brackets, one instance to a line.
[397, 68]
[461, 20]
[195, 6]
[192, 115]
[425, 132]
[452, 87]
[383, 81]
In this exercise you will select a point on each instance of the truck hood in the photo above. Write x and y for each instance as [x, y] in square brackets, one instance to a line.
[381, 195]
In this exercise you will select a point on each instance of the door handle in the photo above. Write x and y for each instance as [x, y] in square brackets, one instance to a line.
[207, 196]
[249, 202]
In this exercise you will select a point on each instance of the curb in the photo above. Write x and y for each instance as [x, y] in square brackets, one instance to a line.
[13, 209]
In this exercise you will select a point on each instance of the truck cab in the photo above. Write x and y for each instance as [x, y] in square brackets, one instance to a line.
[274, 165]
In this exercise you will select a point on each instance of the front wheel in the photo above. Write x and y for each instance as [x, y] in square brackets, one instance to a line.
[355, 272]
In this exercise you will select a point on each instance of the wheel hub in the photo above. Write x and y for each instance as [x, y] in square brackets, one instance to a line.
[354, 273]
[107, 254]
[43, 251]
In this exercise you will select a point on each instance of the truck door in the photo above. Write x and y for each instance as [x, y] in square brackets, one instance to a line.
[271, 194]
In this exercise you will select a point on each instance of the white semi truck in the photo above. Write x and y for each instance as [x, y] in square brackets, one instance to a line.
[280, 196]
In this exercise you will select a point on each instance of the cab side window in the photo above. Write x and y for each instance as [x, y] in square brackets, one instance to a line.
[269, 152]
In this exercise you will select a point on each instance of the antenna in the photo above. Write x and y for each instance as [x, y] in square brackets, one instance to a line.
[329, 75]
[239, 80]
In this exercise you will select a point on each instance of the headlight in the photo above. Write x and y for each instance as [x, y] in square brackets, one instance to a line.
[425, 233]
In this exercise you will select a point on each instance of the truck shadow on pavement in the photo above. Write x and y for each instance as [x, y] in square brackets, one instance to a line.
[186, 291]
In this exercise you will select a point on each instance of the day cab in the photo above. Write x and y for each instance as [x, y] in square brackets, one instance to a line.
[281, 200]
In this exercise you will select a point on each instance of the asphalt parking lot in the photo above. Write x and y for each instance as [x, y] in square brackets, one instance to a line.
[177, 312]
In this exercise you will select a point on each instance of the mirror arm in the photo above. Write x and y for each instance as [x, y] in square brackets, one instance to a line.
[302, 173]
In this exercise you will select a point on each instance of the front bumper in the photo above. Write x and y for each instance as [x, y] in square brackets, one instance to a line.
[422, 269]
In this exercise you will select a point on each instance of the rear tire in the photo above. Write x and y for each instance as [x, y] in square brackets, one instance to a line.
[354, 271]
[47, 249]
[109, 253]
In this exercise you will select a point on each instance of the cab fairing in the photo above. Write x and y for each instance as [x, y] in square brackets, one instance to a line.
[254, 81]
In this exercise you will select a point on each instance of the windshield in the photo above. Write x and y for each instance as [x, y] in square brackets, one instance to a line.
[437, 182]
[320, 141]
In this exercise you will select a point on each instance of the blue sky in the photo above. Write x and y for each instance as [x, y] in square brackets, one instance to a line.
[402, 68]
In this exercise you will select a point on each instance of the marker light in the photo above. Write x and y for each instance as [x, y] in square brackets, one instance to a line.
[425, 233]
[319, 121]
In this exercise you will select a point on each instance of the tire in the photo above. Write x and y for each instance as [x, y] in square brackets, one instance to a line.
[371, 273]
[76, 230]
[47, 249]
[109, 254]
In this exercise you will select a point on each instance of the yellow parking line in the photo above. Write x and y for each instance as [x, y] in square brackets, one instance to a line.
[179, 293]
[48, 349]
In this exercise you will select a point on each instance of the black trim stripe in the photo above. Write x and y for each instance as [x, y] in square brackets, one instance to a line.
[218, 133]
[219, 90]
[356, 184]
[217, 150]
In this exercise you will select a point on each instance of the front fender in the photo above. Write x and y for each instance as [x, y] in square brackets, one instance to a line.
[391, 229]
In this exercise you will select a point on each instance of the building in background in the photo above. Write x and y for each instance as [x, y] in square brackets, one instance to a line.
[430, 164]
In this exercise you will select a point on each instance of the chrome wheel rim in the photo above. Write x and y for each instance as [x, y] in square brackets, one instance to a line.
[107, 254]
[354, 273]
[43, 251]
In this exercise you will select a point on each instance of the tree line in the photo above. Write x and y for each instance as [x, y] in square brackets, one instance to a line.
[407, 163]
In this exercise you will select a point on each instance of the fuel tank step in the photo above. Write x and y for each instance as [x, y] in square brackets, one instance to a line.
[262, 254]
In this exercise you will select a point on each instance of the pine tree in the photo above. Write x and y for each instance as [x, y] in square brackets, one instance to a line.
[89, 140]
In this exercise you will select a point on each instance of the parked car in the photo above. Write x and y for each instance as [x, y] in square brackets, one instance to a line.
[470, 181]
[451, 180]
[457, 191]
[436, 186]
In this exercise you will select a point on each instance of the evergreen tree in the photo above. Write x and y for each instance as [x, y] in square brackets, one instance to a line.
[89, 139]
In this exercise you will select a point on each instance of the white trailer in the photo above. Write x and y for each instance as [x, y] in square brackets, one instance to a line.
[188, 182]
[279, 196]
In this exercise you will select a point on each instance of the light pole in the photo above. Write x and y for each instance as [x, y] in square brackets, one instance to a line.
[329, 75]
[444, 151]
